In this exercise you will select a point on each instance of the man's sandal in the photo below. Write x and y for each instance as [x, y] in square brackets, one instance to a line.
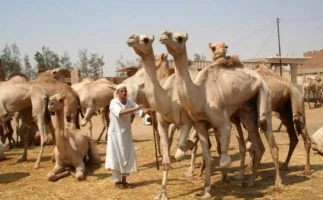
[127, 185]
[119, 185]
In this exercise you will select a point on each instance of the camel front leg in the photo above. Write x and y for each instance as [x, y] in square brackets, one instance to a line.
[163, 130]
[57, 173]
[90, 128]
[26, 143]
[88, 115]
[105, 120]
[183, 135]
[203, 136]
[80, 171]
[242, 150]
[41, 128]
[171, 135]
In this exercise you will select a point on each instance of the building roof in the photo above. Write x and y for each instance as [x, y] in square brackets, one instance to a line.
[128, 69]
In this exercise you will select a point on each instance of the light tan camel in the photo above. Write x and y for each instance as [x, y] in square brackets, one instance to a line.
[59, 74]
[72, 105]
[209, 98]
[72, 145]
[95, 95]
[285, 100]
[136, 92]
[317, 141]
[314, 86]
[164, 100]
[16, 96]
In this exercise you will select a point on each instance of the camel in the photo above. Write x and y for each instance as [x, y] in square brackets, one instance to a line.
[287, 101]
[59, 74]
[315, 86]
[95, 95]
[317, 141]
[164, 100]
[72, 145]
[72, 105]
[19, 96]
[6, 131]
[209, 99]
[136, 90]
[2, 149]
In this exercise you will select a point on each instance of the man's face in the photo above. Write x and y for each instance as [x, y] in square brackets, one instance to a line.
[122, 93]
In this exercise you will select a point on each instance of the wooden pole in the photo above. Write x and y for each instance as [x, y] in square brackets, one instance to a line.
[280, 61]
[152, 114]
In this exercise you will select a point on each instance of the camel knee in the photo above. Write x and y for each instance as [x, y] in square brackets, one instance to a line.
[51, 177]
[263, 125]
[83, 122]
[79, 176]
[179, 155]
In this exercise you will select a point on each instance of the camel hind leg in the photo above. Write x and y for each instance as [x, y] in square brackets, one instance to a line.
[57, 173]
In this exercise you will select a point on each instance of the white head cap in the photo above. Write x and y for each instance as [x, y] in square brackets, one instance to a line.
[121, 85]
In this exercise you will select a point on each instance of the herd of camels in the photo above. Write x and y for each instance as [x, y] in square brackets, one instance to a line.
[185, 99]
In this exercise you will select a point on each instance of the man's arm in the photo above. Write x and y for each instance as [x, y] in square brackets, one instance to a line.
[129, 110]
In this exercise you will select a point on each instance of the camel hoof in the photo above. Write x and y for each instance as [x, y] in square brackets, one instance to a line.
[284, 168]
[36, 166]
[189, 174]
[161, 197]
[279, 187]
[239, 177]
[203, 195]
[22, 160]
[225, 161]
[83, 123]
[248, 184]
[306, 172]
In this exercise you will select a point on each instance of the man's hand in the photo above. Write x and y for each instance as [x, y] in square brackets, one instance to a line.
[147, 110]
[140, 106]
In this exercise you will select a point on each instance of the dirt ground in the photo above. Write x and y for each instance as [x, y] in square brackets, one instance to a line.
[21, 181]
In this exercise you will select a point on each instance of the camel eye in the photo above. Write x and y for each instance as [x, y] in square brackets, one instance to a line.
[213, 48]
[146, 40]
[226, 47]
[179, 39]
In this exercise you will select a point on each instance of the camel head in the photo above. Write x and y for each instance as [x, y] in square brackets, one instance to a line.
[174, 42]
[218, 50]
[318, 78]
[56, 102]
[142, 44]
[161, 58]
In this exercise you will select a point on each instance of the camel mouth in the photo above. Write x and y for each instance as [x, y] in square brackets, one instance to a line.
[163, 38]
[131, 42]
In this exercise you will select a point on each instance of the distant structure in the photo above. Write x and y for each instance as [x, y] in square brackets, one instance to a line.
[316, 60]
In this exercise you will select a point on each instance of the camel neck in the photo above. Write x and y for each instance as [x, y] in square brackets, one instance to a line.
[187, 90]
[156, 95]
[59, 124]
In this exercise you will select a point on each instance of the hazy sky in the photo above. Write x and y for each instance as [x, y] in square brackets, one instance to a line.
[103, 26]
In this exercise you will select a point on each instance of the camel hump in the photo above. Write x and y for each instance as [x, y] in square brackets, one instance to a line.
[93, 153]
[228, 61]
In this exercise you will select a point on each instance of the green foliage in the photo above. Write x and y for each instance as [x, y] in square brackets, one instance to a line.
[47, 59]
[122, 63]
[28, 70]
[199, 57]
[90, 64]
[11, 59]
[65, 61]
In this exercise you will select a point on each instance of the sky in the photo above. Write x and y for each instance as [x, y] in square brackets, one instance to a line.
[103, 26]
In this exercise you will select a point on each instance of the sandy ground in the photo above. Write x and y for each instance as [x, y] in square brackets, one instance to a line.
[21, 181]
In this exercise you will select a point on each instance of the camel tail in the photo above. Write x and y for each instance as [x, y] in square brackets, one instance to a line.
[93, 153]
[298, 109]
[78, 112]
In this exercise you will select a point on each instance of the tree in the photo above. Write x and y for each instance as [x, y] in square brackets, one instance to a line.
[28, 68]
[83, 63]
[47, 59]
[11, 59]
[122, 63]
[95, 65]
[65, 61]
[199, 57]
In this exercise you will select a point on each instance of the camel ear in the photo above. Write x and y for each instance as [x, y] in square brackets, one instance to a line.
[152, 38]
[186, 36]
[63, 96]
[164, 55]
[210, 45]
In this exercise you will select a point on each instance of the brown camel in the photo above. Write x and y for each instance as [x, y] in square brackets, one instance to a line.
[72, 145]
[18, 96]
[6, 131]
[72, 105]
[209, 98]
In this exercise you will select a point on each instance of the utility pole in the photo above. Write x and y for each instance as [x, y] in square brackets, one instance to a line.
[280, 60]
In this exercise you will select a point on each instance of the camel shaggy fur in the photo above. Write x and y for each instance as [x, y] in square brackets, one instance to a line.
[72, 145]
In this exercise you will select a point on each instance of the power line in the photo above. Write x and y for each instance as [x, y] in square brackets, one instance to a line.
[255, 32]
[263, 45]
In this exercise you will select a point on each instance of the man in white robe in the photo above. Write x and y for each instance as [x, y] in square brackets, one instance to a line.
[121, 156]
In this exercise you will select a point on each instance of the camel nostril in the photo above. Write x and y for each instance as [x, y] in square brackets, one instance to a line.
[179, 39]
[213, 48]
